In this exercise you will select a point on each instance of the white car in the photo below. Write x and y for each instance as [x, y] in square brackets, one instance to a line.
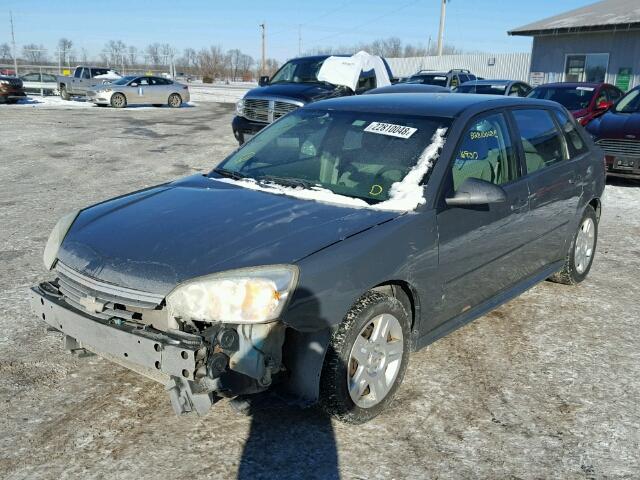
[133, 90]
[40, 83]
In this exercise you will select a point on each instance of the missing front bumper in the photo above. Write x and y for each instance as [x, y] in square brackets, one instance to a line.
[184, 366]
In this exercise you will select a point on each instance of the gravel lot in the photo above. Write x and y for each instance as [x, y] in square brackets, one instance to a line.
[547, 386]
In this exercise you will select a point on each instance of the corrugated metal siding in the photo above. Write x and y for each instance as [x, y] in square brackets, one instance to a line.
[511, 66]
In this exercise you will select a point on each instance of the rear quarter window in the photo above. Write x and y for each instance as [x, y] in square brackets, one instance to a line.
[575, 143]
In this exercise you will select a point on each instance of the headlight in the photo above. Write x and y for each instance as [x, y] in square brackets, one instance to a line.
[55, 239]
[4, 82]
[240, 108]
[248, 295]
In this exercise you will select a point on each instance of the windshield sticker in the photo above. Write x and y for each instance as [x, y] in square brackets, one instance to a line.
[376, 190]
[358, 123]
[475, 135]
[467, 155]
[586, 89]
[499, 87]
[440, 78]
[390, 129]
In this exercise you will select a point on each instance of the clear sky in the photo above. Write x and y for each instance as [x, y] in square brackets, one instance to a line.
[471, 25]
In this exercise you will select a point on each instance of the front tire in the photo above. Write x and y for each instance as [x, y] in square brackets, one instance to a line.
[366, 359]
[175, 100]
[581, 251]
[64, 94]
[118, 100]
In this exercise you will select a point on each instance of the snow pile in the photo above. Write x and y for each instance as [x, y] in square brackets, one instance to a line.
[318, 194]
[346, 70]
[404, 196]
[110, 75]
[407, 194]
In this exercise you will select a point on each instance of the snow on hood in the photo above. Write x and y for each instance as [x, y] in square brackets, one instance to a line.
[405, 195]
[110, 75]
[346, 70]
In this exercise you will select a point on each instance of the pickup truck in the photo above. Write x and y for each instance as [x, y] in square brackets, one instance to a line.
[84, 78]
[301, 81]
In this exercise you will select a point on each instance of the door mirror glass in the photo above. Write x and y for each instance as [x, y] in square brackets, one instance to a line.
[474, 191]
[264, 80]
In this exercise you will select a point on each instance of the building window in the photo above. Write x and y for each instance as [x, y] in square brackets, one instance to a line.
[591, 67]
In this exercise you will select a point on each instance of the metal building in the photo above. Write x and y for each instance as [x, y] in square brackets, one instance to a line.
[599, 42]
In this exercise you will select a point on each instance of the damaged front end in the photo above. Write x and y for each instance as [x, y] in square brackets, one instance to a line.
[198, 359]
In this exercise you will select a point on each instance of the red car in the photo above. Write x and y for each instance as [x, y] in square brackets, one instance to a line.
[584, 100]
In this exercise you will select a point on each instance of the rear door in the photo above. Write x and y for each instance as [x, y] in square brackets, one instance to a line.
[480, 247]
[554, 187]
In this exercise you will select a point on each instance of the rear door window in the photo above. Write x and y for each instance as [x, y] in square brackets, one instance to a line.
[86, 73]
[541, 141]
[485, 152]
[575, 143]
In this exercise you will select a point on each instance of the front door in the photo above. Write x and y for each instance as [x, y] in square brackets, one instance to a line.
[138, 91]
[480, 247]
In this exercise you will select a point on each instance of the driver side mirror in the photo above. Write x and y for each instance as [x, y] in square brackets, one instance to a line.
[474, 191]
[133, 84]
[263, 80]
[604, 105]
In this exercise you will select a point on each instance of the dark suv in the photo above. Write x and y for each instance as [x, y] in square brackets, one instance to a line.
[450, 79]
[294, 85]
[319, 255]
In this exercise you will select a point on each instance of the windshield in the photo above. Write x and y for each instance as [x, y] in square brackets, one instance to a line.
[572, 98]
[302, 70]
[356, 154]
[482, 89]
[630, 103]
[439, 80]
[123, 80]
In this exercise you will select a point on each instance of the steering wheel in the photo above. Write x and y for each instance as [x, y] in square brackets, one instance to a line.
[389, 168]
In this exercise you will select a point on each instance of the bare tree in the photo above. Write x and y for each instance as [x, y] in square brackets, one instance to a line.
[391, 47]
[152, 52]
[132, 55]
[5, 53]
[115, 52]
[234, 57]
[211, 62]
[167, 53]
[64, 46]
[246, 63]
[34, 54]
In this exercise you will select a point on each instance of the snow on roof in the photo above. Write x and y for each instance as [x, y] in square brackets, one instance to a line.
[604, 15]
[404, 196]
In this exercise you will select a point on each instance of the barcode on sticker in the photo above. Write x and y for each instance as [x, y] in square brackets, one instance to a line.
[390, 129]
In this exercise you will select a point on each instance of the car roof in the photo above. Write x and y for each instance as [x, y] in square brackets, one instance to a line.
[491, 82]
[408, 88]
[425, 104]
[572, 84]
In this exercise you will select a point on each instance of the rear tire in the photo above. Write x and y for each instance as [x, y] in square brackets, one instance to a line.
[118, 100]
[175, 100]
[356, 391]
[64, 94]
[579, 258]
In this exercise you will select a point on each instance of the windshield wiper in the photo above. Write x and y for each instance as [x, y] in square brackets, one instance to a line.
[287, 181]
[229, 173]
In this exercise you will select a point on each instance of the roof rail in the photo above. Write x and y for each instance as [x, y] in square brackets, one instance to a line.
[424, 70]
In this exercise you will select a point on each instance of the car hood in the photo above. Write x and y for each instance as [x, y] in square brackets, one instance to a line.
[616, 125]
[154, 239]
[303, 92]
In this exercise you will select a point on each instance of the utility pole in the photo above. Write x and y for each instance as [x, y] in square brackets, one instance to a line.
[264, 48]
[13, 40]
[299, 40]
[443, 12]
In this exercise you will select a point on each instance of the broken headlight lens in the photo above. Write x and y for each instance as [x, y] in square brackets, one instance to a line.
[56, 237]
[248, 295]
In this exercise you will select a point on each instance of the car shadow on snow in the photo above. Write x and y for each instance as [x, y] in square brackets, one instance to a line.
[287, 441]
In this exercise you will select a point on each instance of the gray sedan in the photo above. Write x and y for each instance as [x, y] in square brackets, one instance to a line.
[135, 90]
